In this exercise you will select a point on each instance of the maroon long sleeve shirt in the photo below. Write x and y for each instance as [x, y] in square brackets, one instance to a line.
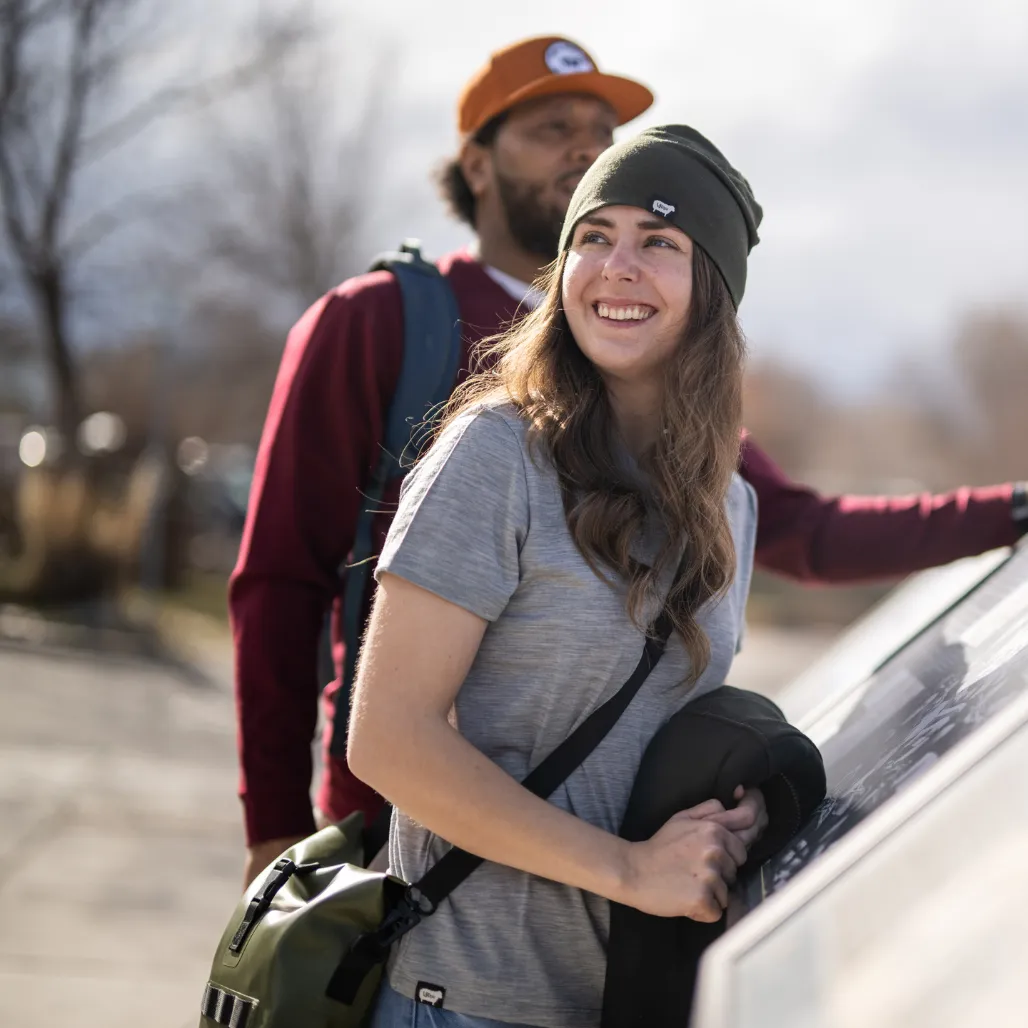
[320, 443]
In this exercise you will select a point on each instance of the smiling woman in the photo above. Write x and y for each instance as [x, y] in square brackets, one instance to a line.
[626, 291]
[579, 494]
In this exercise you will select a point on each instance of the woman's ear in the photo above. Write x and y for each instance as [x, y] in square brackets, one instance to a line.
[476, 164]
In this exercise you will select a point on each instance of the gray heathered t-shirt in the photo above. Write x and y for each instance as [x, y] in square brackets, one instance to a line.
[481, 524]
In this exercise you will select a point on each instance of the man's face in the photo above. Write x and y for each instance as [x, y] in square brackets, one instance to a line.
[537, 159]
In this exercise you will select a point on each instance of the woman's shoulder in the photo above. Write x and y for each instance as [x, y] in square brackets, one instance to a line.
[487, 441]
[494, 424]
[494, 412]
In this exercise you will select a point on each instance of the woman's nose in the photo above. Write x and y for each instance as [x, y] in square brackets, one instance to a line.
[621, 263]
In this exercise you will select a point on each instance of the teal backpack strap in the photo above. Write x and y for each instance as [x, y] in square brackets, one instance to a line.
[431, 355]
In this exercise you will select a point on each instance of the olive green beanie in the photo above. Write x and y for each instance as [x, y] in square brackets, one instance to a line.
[674, 172]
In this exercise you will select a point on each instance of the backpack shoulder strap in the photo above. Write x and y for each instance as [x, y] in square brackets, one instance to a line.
[431, 350]
[431, 355]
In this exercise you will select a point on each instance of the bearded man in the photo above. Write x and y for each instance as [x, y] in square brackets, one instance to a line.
[531, 122]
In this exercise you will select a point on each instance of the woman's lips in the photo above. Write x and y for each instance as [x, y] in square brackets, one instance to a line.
[624, 311]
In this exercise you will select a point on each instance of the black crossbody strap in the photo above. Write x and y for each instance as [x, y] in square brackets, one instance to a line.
[422, 898]
[456, 864]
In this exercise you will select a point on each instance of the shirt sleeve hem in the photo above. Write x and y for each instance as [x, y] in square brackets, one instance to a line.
[485, 611]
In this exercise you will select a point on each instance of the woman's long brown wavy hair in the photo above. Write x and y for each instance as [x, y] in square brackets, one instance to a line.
[537, 366]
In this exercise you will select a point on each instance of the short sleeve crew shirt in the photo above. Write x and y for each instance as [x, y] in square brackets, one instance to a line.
[481, 524]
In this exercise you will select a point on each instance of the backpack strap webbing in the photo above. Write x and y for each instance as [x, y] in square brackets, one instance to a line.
[431, 355]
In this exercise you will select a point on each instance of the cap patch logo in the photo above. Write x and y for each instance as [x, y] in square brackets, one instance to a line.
[564, 58]
[665, 210]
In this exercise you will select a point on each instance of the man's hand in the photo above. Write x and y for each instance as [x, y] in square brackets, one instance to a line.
[747, 820]
[260, 855]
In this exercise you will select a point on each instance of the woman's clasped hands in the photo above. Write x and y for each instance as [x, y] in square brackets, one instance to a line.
[688, 868]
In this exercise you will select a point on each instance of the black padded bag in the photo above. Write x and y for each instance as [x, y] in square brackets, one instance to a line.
[727, 738]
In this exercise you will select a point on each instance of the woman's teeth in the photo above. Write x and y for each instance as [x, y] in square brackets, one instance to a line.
[623, 313]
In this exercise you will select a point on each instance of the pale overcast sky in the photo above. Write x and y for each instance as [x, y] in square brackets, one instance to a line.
[886, 139]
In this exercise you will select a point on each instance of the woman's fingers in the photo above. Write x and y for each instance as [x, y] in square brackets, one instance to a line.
[705, 810]
[720, 891]
[735, 820]
[745, 830]
[747, 819]
[722, 862]
[728, 843]
[749, 836]
[686, 869]
[735, 847]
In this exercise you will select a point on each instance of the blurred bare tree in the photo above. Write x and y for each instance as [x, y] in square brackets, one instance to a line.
[65, 71]
[287, 188]
[16, 347]
[273, 219]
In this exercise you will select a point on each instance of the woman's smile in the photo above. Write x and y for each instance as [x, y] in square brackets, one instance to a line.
[626, 291]
[613, 311]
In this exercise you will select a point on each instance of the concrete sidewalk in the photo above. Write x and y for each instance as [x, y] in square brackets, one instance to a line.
[120, 840]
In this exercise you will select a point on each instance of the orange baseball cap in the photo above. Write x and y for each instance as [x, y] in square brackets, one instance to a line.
[544, 66]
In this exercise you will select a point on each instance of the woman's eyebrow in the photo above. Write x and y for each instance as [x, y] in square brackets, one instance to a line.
[647, 224]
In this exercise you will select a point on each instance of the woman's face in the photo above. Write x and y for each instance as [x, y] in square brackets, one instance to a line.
[626, 291]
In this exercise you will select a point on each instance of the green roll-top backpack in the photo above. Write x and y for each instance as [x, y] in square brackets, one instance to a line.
[290, 933]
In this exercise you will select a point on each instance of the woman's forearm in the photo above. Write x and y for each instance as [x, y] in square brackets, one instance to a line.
[435, 776]
[418, 650]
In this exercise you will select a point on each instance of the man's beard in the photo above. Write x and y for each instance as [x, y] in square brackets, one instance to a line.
[534, 225]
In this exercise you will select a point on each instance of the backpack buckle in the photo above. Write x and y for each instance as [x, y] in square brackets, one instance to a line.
[282, 870]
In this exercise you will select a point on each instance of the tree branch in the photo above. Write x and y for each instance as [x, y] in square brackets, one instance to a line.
[14, 26]
[101, 224]
[196, 96]
[70, 138]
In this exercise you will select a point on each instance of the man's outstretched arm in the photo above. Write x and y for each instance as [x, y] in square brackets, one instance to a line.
[835, 539]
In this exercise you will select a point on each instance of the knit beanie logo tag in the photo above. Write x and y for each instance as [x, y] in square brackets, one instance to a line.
[665, 210]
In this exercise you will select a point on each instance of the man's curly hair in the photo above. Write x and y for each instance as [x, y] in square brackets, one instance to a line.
[453, 186]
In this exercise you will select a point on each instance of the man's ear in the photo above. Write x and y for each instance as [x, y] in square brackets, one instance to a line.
[476, 163]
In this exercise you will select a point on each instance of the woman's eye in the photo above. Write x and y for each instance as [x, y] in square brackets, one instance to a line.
[592, 237]
[660, 241]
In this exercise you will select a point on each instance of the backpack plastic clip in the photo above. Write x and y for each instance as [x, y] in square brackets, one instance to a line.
[281, 872]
